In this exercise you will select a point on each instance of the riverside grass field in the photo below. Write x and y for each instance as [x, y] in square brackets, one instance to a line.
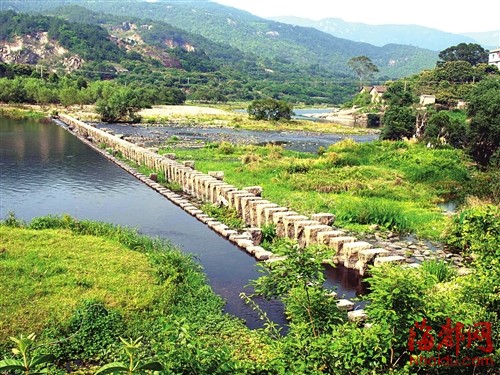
[396, 185]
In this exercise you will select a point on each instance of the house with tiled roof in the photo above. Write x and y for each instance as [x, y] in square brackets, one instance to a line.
[377, 93]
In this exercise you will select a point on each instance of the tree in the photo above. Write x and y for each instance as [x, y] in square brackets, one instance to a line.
[483, 109]
[442, 126]
[398, 122]
[398, 94]
[270, 109]
[471, 52]
[456, 72]
[363, 67]
[122, 105]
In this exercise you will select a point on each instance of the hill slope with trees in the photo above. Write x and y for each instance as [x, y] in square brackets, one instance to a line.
[278, 46]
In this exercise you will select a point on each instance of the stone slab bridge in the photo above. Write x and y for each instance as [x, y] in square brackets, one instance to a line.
[252, 208]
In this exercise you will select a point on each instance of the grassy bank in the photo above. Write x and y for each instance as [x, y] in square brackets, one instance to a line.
[79, 285]
[396, 185]
[21, 112]
[185, 115]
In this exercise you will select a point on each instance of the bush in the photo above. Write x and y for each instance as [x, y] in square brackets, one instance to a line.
[442, 126]
[226, 148]
[477, 230]
[93, 333]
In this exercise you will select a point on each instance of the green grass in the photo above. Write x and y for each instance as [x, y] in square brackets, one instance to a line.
[396, 185]
[46, 273]
[21, 113]
[79, 285]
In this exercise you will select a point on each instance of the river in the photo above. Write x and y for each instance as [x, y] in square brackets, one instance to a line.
[46, 170]
[292, 140]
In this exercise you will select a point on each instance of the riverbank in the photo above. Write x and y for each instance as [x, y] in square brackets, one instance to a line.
[395, 186]
[193, 116]
[80, 285]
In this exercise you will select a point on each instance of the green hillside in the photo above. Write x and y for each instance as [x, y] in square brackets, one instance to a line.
[155, 54]
[275, 44]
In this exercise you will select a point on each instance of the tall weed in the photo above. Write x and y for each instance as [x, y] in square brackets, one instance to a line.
[374, 211]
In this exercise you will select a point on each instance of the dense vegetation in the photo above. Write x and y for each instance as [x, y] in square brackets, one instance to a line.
[79, 313]
[465, 90]
[101, 282]
[205, 71]
[278, 47]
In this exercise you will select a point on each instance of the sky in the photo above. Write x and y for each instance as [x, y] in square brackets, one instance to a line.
[446, 15]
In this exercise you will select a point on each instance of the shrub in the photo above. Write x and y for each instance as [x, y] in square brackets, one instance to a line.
[477, 230]
[399, 122]
[226, 148]
[93, 333]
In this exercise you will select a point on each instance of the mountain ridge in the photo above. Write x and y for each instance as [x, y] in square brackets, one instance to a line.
[277, 45]
[379, 35]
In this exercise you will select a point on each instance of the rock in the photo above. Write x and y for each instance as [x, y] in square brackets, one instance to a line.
[324, 218]
[219, 175]
[189, 163]
[255, 235]
[262, 254]
[390, 259]
[357, 315]
[345, 304]
[169, 156]
[255, 190]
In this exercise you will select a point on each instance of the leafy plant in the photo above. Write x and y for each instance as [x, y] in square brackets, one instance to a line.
[28, 364]
[134, 365]
[298, 279]
[92, 331]
[476, 231]
[440, 269]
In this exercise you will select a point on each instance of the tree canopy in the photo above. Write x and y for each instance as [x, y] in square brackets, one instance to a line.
[270, 109]
[363, 67]
[471, 52]
[484, 107]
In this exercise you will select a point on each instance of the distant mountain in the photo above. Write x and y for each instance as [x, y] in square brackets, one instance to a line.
[380, 35]
[488, 39]
[278, 46]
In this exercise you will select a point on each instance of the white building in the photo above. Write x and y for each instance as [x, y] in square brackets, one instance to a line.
[494, 57]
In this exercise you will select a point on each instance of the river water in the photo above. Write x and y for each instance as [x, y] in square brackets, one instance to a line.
[46, 170]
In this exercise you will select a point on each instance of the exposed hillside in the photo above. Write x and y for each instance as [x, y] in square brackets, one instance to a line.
[278, 45]
[380, 35]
